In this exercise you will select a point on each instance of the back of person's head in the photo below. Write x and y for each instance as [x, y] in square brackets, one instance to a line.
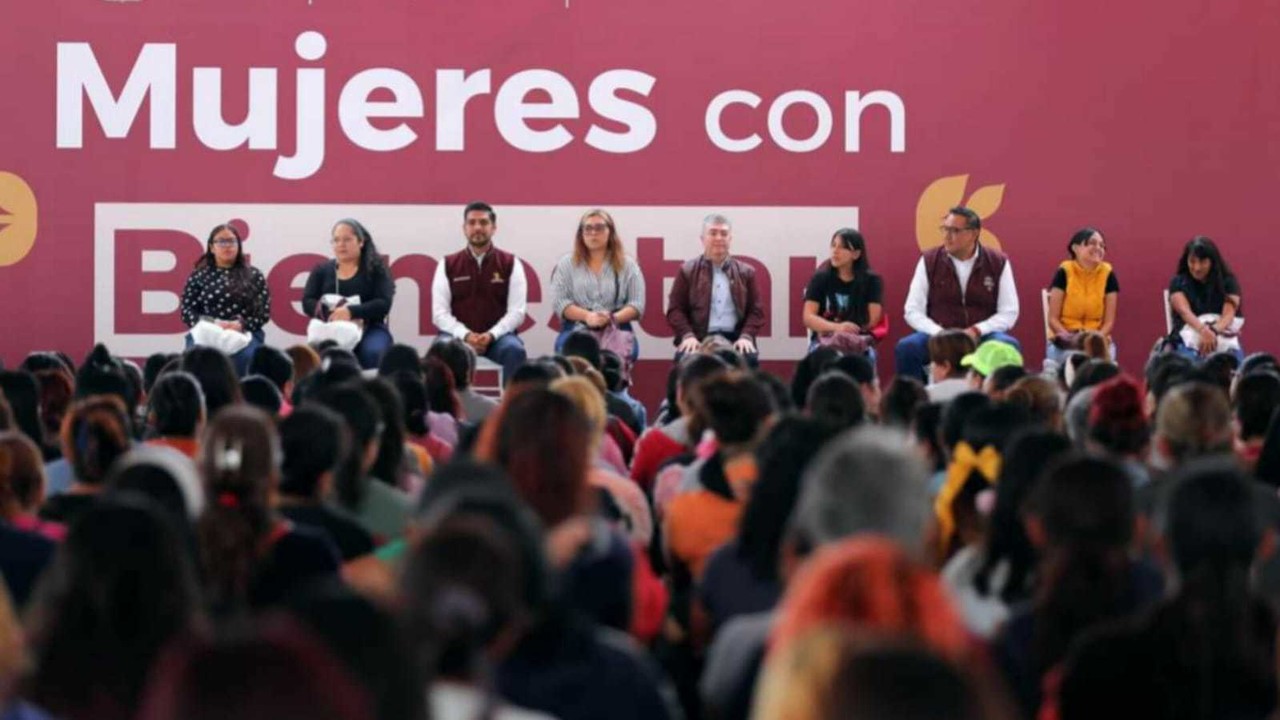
[835, 401]
[1039, 397]
[260, 392]
[1084, 506]
[584, 345]
[1256, 398]
[238, 461]
[277, 670]
[21, 390]
[1267, 469]
[391, 438]
[1095, 345]
[1003, 378]
[1071, 363]
[1213, 524]
[56, 393]
[1220, 369]
[465, 488]
[399, 358]
[39, 360]
[273, 364]
[870, 583]
[866, 481]
[1093, 372]
[102, 374]
[413, 395]
[305, 361]
[992, 426]
[1258, 361]
[164, 476]
[314, 439]
[533, 373]
[1194, 419]
[858, 367]
[535, 435]
[781, 458]
[441, 385]
[808, 370]
[734, 406]
[1084, 501]
[338, 356]
[778, 391]
[1116, 419]
[216, 375]
[949, 347]
[120, 587]
[901, 400]
[463, 586]
[1164, 372]
[153, 367]
[21, 475]
[460, 358]
[956, 412]
[839, 674]
[589, 400]
[613, 369]
[926, 430]
[1007, 543]
[94, 434]
[563, 363]
[694, 369]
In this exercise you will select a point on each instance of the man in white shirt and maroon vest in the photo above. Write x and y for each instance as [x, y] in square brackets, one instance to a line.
[959, 285]
[478, 294]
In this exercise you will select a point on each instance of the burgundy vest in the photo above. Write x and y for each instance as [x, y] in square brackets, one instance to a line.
[947, 306]
[479, 293]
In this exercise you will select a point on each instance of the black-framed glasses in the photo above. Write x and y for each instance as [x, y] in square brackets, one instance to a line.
[225, 242]
[944, 230]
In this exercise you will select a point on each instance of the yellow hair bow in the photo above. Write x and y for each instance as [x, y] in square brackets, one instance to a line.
[963, 464]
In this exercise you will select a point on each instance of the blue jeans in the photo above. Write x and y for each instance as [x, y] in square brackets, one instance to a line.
[373, 345]
[1056, 355]
[912, 353]
[508, 351]
[571, 326]
[1194, 356]
[241, 359]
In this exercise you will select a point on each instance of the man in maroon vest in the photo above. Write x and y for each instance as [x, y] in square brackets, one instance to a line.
[959, 285]
[478, 294]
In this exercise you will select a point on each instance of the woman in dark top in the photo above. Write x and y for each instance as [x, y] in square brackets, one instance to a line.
[94, 435]
[844, 295]
[357, 270]
[251, 557]
[225, 290]
[1205, 285]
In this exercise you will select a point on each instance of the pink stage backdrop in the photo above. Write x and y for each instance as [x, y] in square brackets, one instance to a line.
[131, 127]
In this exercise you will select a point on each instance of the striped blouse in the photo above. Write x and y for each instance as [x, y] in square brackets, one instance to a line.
[609, 291]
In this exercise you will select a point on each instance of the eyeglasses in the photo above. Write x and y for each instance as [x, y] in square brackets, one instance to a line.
[225, 242]
[594, 227]
[1096, 244]
[343, 240]
[944, 230]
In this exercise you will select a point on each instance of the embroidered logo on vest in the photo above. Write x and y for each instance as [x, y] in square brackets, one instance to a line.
[497, 277]
[988, 283]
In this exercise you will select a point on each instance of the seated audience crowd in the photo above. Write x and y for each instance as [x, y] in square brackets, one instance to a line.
[328, 538]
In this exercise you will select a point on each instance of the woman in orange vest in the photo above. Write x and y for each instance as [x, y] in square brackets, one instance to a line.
[1083, 296]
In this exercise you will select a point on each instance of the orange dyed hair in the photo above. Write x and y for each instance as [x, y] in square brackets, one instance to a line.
[869, 583]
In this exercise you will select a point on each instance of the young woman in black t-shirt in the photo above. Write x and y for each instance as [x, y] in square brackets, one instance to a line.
[844, 295]
[1205, 285]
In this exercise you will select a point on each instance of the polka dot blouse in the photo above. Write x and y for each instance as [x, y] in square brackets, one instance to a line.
[211, 293]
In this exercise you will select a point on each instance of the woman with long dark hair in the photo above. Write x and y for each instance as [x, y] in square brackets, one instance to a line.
[356, 271]
[225, 290]
[1206, 652]
[251, 557]
[1203, 285]
[844, 296]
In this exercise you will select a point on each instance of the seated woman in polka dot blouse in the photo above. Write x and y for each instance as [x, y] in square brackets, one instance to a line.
[223, 288]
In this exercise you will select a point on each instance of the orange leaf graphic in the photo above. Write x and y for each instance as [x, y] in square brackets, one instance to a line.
[942, 195]
[985, 201]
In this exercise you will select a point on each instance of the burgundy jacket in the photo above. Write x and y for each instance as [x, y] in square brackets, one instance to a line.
[689, 305]
[946, 305]
[479, 294]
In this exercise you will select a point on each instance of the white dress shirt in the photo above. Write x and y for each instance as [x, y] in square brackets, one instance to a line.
[442, 303]
[915, 312]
